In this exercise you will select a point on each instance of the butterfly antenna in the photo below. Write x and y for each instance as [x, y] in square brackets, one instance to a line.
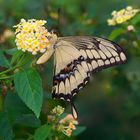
[74, 111]
[59, 16]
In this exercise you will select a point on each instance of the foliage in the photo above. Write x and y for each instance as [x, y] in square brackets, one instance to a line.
[109, 107]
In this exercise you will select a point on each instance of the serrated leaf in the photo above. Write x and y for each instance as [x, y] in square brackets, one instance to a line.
[42, 132]
[29, 88]
[79, 130]
[19, 112]
[3, 61]
[13, 104]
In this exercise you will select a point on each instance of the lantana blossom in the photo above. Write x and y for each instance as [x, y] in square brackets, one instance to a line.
[64, 125]
[32, 36]
[58, 110]
[67, 125]
[122, 15]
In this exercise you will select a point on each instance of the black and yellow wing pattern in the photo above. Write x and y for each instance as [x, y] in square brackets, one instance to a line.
[77, 58]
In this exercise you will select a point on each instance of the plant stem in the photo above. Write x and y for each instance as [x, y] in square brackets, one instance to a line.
[13, 68]
[6, 71]
[6, 77]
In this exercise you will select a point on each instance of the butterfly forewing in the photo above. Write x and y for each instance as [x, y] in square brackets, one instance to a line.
[76, 58]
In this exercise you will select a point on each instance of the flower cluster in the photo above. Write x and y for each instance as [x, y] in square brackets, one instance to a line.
[122, 16]
[32, 36]
[67, 125]
[58, 110]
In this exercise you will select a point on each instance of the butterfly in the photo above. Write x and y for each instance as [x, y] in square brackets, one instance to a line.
[76, 58]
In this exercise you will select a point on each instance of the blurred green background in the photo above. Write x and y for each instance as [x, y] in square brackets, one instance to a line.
[109, 106]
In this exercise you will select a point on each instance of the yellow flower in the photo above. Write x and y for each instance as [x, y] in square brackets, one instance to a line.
[111, 22]
[32, 36]
[119, 20]
[35, 43]
[67, 125]
[121, 12]
[113, 13]
[123, 15]
[129, 8]
[71, 125]
[58, 110]
[68, 132]
[29, 41]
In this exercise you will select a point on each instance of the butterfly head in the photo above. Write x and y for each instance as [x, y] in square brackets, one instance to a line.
[52, 38]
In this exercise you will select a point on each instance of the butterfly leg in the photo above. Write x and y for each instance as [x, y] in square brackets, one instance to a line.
[73, 110]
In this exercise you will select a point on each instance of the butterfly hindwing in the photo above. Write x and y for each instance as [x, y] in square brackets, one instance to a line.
[76, 58]
[69, 76]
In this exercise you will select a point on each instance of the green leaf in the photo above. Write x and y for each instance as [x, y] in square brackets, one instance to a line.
[26, 60]
[28, 120]
[79, 130]
[29, 88]
[42, 132]
[11, 51]
[115, 33]
[14, 105]
[136, 19]
[6, 132]
[3, 61]
[16, 56]
[19, 112]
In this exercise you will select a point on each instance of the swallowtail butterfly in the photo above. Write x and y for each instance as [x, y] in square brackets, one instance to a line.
[76, 58]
